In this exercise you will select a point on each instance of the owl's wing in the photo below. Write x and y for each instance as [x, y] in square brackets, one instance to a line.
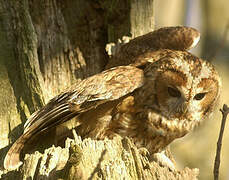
[89, 93]
[173, 38]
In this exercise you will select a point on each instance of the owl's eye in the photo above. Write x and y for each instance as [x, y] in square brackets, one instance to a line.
[199, 96]
[173, 92]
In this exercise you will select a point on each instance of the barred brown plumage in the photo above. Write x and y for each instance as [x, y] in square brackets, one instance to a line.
[153, 100]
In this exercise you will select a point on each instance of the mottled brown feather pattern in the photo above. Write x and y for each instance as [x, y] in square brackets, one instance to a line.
[88, 94]
[152, 100]
[175, 38]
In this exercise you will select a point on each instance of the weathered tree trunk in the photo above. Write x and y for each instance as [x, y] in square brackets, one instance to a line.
[89, 159]
[45, 46]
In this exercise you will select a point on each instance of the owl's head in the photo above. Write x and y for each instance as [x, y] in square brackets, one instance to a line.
[185, 87]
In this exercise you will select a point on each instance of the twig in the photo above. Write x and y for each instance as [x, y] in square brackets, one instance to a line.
[225, 112]
[222, 43]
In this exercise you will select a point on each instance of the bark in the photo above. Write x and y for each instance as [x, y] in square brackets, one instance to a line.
[89, 159]
[45, 46]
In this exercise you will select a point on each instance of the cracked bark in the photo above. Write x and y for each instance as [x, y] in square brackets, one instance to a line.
[90, 159]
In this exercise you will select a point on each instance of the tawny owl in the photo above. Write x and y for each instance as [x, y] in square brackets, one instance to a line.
[162, 95]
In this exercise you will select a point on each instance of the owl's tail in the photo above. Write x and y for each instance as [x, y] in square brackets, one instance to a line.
[12, 159]
[51, 115]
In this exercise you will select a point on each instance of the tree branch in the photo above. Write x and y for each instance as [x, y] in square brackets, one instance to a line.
[225, 112]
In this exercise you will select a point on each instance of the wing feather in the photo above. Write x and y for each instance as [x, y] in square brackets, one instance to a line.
[89, 93]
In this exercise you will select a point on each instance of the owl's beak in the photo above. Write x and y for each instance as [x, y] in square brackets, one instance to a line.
[184, 107]
[182, 110]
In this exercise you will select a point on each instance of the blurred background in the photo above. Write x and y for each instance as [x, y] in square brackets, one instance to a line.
[211, 18]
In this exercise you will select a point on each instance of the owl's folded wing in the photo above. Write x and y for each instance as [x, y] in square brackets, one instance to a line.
[88, 94]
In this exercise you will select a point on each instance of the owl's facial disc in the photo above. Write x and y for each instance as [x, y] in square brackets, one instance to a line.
[184, 88]
[178, 99]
